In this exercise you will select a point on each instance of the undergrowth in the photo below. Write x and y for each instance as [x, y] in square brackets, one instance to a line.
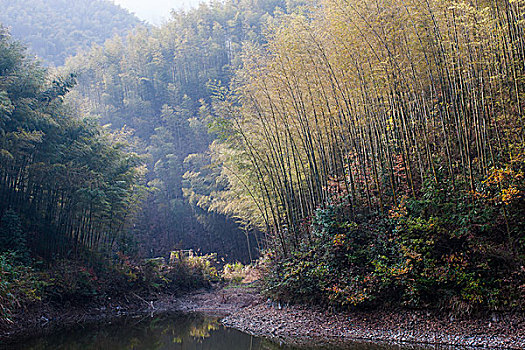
[71, 282]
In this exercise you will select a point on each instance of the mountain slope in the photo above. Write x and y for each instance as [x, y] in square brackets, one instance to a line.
[56, 29]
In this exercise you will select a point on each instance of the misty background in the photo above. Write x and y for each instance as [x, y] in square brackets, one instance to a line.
[156, 11]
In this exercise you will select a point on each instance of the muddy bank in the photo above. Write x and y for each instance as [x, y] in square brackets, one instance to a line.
[221, 302]
[44, 318]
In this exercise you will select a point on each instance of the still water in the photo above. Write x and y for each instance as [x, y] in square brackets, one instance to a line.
[165, 332]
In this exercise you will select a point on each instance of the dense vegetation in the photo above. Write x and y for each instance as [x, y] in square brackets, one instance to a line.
[373, 149]
[155, 85]
[57, 29]
[69, 191]
[76, 198]
[381, 145]
[71, 182]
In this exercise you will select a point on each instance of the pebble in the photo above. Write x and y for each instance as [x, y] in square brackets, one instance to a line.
[300, 326]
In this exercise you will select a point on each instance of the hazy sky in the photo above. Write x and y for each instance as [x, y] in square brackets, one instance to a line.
[155, 11]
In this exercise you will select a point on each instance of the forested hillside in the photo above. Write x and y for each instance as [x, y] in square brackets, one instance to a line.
[381, 145]
[157, 84]
[56, 29]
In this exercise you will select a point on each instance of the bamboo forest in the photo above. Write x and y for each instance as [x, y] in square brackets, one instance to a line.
[344, 169]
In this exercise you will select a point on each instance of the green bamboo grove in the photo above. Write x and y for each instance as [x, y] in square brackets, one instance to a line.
[381, 109]
[373, 99]
[72, 183]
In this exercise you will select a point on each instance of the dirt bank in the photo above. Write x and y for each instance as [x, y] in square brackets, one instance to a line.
[43, 318]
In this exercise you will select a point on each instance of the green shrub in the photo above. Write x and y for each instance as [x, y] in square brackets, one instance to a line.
[19, 285]
[193, 272]
[448, 249]
[234, 273]
[70, 281]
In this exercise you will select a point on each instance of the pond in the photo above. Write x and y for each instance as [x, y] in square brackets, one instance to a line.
[162, 332]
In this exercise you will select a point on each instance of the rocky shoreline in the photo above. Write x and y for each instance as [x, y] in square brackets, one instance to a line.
[304, 326]
[247, 311]
[243, 308]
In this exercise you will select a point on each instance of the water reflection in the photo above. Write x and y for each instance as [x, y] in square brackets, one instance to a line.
[173, 332]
